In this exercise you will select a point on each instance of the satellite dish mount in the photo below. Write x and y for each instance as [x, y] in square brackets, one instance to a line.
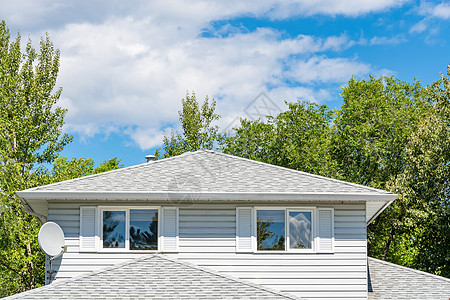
[51, 241]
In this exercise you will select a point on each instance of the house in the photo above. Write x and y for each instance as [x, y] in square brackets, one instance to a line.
[209, 225]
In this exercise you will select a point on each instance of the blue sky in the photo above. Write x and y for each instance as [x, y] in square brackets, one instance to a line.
[125, 65]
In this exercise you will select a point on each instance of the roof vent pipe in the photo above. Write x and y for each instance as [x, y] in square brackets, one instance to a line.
[150, 158]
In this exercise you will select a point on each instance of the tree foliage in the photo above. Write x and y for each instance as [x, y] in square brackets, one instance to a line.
[370, 137]
[430, 148]
[30, 138]
[21, 263]
[297, 138]
[197, 125]
[394, 135]
[64, 169]
[30, 122]
[30, 134]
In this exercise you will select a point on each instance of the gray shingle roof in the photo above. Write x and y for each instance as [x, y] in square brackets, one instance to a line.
[391, 281]
[152, 277]
[208, 171]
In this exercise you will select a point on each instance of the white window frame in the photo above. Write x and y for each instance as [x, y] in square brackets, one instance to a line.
[127, 209]
[286, 210]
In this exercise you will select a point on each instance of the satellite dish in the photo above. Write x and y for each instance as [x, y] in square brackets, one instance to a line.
[51, 239]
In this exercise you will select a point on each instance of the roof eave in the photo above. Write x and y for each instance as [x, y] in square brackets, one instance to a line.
[380, 210]
[201, 196]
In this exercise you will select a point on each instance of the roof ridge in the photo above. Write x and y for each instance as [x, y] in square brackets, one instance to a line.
[215, 273]
[301, 172]
[409, 269]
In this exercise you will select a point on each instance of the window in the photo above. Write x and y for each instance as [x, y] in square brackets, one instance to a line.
[284, 230]
[129, 229]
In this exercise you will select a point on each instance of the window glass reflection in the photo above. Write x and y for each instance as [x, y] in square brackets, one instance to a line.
[300, 235]
[143, 229]
[113, 229]
[270, 230]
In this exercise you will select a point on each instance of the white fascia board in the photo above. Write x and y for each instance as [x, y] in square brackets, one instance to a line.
[202, 196]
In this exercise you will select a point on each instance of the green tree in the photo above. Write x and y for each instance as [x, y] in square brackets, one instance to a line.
[21, 263]
[30, 134]
[108, 165]
[373, 126]
[370, 135]
[198, 129]
[252, 140]
[64, 169]
[297, 138]
[30, 122]
[394, 135]
[30, 138]
[430, 149]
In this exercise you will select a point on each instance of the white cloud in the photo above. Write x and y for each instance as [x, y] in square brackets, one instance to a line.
[419, 27]
[440, 10]
[332, 7]
[133, 72]
[432, 12]
[383, 40]
[126, 65]
[292, 94]
[323, 69]
[337, 43]
[184, 14]
[146, 138]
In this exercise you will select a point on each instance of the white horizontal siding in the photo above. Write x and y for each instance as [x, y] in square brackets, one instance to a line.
[68, 218]
[307, 275]
[207, 238]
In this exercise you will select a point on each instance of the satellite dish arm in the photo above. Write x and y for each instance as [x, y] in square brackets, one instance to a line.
[64, 250]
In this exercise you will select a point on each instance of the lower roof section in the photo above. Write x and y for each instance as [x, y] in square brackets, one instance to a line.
[153, 277]
[390, 281]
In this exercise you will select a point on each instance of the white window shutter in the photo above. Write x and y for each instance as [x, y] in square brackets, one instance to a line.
[244, 229]
[326, 230]
[88, 228]
[169, 229]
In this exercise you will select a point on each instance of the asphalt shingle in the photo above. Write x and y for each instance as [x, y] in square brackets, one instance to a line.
[391, 281]
[152, 277]
[208, 171]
